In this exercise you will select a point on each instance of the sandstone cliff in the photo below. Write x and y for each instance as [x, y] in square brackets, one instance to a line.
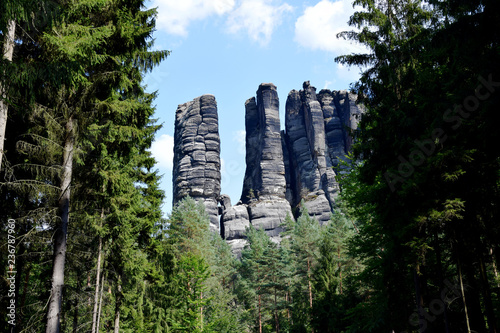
[317, 137]
[196, 171]
[283, 168]
[263, 203]
[311, 178]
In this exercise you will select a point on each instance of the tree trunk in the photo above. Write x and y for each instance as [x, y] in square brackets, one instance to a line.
[310, 290]
[8, 52]
[309, 283]
[289, 308]
[463, 296]
[201, 312]
[75, 306]
[100, 306]
[473, 290]
[418, 300]
[117, 321]
[276, 321]
[488, 304]
[117, 307]
[97, 279]
[287, 300]
[54, 311]
[340, 271]
[260, 316]
[441, 278]
[494, 266]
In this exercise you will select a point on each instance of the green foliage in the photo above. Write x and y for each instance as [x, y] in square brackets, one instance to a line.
[71, 65]
[193, 289]
[427, 188]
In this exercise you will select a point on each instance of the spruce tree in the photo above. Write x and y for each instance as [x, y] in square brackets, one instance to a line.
[305, 235]
[87, 59]
[427, 161]
[258, 283]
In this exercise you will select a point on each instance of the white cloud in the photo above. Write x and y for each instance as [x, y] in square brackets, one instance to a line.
[258, 18]
[174, 16]
[318, 27]
[163, 151]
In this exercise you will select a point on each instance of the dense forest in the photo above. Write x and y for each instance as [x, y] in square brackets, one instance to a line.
[412, 245]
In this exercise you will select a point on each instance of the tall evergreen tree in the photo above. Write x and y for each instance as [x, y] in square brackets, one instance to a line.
[334, 276]
[259, 280]
[193, 288]
[304, 241]
[88, 58]
[424, 156]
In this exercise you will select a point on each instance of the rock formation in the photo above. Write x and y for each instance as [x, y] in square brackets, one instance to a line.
[284, 168]
[234, 221]
[317, 138]
[263, 203]
[342, 115]
[196, 171]
[312, 178]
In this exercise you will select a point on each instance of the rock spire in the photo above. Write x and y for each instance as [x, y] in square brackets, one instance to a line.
[196, 171]
[283, 168]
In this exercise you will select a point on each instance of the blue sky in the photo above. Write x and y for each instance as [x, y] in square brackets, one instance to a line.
[227, 48]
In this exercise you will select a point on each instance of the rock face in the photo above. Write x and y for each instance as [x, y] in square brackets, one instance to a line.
[234, 221]
[313, 178]
[283, 169]
[341, 115]
[265, 171]
[196, 171]
[263, 201]
[317, 138]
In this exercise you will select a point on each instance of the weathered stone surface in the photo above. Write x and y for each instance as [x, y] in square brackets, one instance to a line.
[265, 172]
[334, 128]
[314, 179]
[237, 245]
[345, 110]
[269, 214]
[318, 206]
[196, 171]
[264, 189]
[235, 220]
[263, 201]
[283, 167]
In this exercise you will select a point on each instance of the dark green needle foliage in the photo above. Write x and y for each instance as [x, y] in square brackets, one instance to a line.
[77, 170]
[430, 169]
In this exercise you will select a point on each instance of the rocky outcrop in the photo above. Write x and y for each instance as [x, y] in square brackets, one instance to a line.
[264, 176]
[313, 178]
[234, 222]
[317, 138]
[283, 168]
[341, 115]
[263, 202]
[196, 171]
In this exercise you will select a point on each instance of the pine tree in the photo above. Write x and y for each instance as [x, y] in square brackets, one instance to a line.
[420, 173]
[192, 290]
[335, 277]
[259, 284]
[305, 235]
[82, 62]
